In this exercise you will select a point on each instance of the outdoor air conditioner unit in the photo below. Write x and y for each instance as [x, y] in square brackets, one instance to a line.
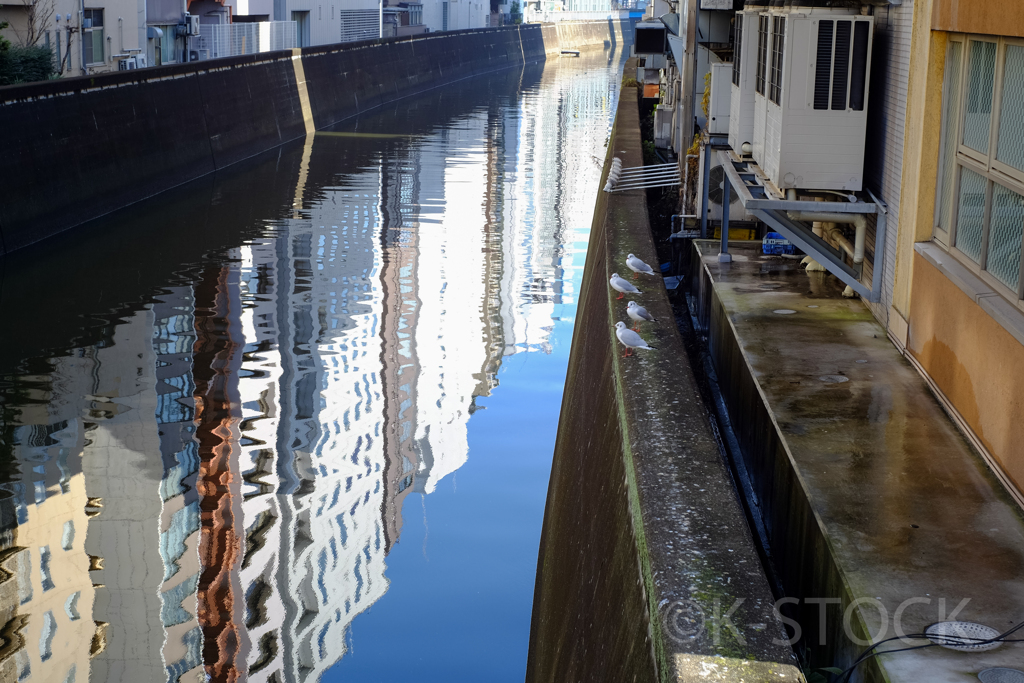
[811, 79]
[716, 181]
[741, 101]
[191, 24]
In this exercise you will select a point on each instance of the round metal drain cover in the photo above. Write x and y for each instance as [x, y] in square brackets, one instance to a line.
[962, 636]
[862, 361]
[1001, 675]
[770, 286]
[834, 379]
[784, 311]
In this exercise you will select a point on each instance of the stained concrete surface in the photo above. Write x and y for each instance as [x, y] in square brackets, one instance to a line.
[645, 550]
[868, 490]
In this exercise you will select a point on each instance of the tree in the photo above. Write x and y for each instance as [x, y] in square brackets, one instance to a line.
[38, 14]
[516, 12]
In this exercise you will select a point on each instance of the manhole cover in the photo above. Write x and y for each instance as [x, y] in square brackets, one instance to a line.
[1001, 675]
[784, 311]
[770, 286]
[963, 636]
[812, 306]
[834, 379]
[862, 361]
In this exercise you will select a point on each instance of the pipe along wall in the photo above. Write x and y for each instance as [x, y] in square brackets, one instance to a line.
[76, 149]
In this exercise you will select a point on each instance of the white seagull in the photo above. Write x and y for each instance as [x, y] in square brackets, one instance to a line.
[638, 266]
[630, 339]
[639, 314]
[622, 286]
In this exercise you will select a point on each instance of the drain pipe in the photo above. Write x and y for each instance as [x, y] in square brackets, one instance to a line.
[823, 222]
[858, 220]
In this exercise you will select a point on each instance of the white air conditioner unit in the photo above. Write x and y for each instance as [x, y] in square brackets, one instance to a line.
[741, 101]
[191, 24]
[721, 95]
[811, 80]
[127, 63]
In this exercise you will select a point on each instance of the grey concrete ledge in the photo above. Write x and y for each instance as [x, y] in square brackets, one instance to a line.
[647, 569]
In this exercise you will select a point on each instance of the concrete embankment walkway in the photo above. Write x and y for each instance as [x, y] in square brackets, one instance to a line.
[647, 570]
[878, 513]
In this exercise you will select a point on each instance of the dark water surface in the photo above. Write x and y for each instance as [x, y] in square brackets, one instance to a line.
[295, 422]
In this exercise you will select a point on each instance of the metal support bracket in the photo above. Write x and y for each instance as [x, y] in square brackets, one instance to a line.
[756, 200]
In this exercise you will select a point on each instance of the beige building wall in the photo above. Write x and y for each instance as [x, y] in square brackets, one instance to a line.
[964, 338]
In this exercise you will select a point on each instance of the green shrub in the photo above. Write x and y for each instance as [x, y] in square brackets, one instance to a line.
[25, 64]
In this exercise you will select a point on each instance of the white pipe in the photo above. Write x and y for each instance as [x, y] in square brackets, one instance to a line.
[858, 220]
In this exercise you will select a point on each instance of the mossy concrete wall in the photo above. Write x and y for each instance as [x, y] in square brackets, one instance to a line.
[75, 149]
[645, 550]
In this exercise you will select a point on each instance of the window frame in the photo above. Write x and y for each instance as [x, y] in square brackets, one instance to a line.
[91, 31]
[985, 165]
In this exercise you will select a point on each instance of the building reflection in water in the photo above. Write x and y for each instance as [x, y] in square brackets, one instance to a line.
[296, 391]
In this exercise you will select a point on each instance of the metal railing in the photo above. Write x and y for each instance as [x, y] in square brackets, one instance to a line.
[230, 40]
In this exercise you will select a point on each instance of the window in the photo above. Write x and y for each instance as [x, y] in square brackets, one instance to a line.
[737, 50]
[762, 52]
[415, 14]
[979, 206]
[778, 44]
[92, 36]
[444, 16]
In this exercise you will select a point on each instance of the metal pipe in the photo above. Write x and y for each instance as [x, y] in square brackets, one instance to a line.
[704, 193]
[724, 256]
[858, 220]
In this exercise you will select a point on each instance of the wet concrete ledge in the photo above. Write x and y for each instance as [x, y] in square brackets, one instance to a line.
[79, 148]
[870, 497]
[644, 541]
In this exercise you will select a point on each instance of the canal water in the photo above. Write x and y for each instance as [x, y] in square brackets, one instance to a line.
[295, 422]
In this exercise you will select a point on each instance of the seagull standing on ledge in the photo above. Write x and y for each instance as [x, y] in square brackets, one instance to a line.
[639, 314]
[630, 339]
[638, 266]
[622, 286]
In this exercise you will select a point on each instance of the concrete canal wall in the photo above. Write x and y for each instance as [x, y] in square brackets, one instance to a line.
[645, 546]
[78, 148]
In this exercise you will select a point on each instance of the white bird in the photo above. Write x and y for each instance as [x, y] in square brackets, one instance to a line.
[638, 266]
[622, 286]
[639, 314]
[630, 339]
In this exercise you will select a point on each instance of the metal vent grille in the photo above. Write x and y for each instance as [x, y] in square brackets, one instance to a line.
[737, 50]
[840, 74]
[859, 72]
[823, 65]
[841, 65]
[762, 51]
[778, 48]
[359, 24]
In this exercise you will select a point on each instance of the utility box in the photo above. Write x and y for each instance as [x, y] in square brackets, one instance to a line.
[721, 95]
[811, 97]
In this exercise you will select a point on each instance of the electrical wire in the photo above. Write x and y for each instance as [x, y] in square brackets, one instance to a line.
[945, 638]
